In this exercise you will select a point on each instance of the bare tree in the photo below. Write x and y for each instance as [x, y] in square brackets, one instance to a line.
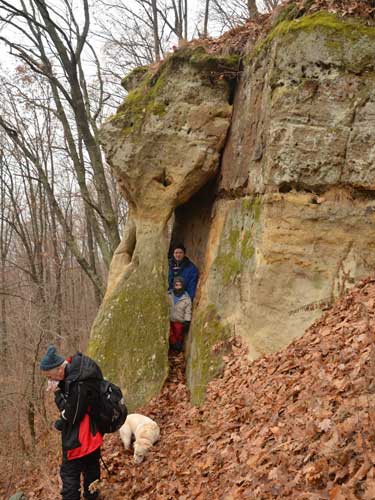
[175, 15]
[270, 4]
[205, 18]
[44, 298]
[227, 14]
[134, 39]
[155, 29]
[6, 233]
[32, 127]
[52, 45]
[142, 32]
[252, 8]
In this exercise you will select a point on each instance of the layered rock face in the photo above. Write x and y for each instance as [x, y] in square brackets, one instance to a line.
[163, 145]
[283, 228]
[293, 221]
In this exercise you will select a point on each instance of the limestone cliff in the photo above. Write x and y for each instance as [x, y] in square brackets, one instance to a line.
[284, 228]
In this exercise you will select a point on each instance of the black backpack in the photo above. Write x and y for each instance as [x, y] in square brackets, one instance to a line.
[112, 411]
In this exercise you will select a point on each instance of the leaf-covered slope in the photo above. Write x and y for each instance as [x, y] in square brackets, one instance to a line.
[296, 424]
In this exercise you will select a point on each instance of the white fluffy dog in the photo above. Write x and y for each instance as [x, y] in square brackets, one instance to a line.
[145, 431]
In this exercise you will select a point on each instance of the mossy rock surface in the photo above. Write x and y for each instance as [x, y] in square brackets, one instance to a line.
[347, 43]
[18, 496]
[129, 338]
[237, 242]
[206, 350]
[164, 144]
[235, 254]
[148, 90]
[134, 78]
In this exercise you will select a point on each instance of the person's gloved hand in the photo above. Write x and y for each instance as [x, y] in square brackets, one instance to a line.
[59, 424]
[60, 399]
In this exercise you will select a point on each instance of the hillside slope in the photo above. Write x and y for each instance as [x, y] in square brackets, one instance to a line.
[295, 424]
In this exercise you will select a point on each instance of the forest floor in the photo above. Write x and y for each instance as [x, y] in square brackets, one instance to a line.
[296, 424]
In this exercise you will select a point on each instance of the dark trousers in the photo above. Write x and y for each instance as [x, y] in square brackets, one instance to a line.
[70, 473]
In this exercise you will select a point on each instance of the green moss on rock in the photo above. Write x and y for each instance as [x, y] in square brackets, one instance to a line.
[350, 29]
[199, 58]
[206, 350]
[134, 78]
[235, 255]
[247, 246]
[287, 14]
[140, 102]
[148, 91]
[341, 31]
[129, 340]
[237, 246]
[229, 267]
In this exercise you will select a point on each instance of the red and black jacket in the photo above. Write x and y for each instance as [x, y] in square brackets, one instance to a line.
[77, 397]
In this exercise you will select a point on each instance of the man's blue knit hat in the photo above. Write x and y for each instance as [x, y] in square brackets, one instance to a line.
[51, 359]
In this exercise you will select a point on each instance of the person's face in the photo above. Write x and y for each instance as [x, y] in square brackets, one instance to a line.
[55, 374]
[178, 285]
[178, 254]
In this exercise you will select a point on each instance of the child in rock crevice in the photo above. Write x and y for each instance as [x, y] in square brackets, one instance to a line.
[180, 307]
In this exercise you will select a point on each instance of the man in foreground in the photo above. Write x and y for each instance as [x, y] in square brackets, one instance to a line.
[75, 382]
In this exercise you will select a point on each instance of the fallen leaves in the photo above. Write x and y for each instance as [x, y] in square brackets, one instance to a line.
[296, 424]
[243, 37]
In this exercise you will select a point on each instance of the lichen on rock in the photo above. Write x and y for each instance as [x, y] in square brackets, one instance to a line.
[205, 351]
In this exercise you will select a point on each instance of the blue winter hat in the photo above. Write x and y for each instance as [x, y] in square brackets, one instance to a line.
[51, 359]
[179, 279]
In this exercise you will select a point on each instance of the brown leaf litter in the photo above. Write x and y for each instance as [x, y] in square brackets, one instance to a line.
[244, 36]
[295, 424]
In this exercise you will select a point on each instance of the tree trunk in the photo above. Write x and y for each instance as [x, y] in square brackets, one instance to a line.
[3, 319]
[155, 30]
[205, 22]
[186, 20]
[253, 9]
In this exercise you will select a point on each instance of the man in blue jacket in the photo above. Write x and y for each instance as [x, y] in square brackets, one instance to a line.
[180, 265]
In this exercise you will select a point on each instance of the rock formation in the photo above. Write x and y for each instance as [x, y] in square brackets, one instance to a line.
[293, 221]
[163, 145]
[286, 227]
